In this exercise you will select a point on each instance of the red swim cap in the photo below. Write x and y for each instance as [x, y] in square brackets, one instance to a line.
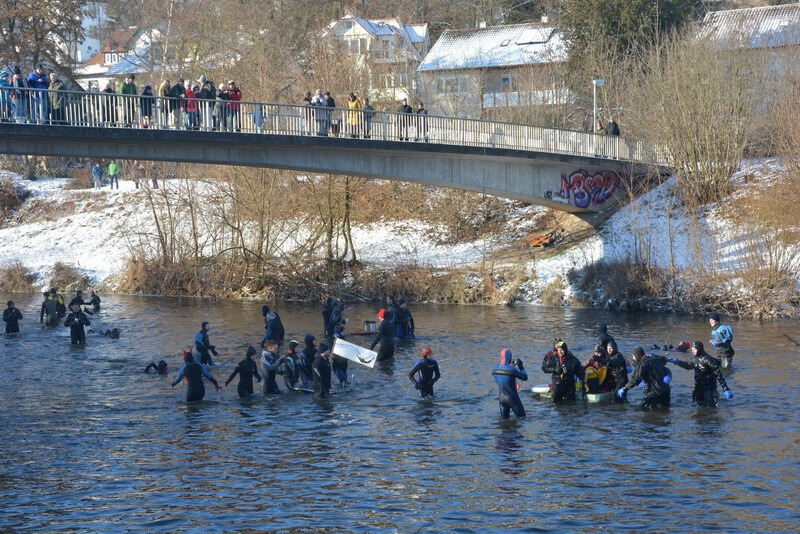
[382, 313]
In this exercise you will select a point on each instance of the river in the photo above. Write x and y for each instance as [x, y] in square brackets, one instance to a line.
[91, 443]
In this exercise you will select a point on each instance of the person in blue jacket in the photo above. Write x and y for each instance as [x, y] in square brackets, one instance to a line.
[273, 326]
[38, 80]
[506, 375]
[194, 373]
[721, 338]
[425, 373]
[203, 347]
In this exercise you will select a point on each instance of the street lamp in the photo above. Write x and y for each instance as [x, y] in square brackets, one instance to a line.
[595, 85]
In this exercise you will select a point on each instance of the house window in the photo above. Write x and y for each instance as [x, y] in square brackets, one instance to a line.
[107, 59]
[114, 58]
[446, 85]
[388, 81]
[93, 86]
[507, 84]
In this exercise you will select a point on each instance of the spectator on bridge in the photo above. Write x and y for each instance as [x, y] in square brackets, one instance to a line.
[19, 99]
[369, 116]
[38, 81]
[599, 128]
[177, 95]
[234, 108]
[320, 113]
[330, 103]
[146, 106]
[403, 119]
[109, 105]
[164, 103]
[128, 89]
[354, 116]
[205, 104]
[422, 123]
[5, 96]
[307, 114]
[612, 128]
[221, 108]
[56, 97]
[190, 107]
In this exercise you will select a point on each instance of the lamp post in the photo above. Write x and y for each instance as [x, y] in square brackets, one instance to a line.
[595, 85]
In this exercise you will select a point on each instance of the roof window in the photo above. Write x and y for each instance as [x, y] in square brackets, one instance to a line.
[505, 43]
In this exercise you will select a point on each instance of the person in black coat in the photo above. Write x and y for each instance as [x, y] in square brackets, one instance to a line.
[655, 374]
[617, 367]
[12, 316]
[404, 119]
[321, 371]
[76, 321]
[707, 373]
[384, 336]
[246, 369]
[564, 368]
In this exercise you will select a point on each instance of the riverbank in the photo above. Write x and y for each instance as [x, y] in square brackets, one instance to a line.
[652, 254]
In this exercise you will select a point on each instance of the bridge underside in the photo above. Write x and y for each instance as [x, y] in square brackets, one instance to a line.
[569, 183]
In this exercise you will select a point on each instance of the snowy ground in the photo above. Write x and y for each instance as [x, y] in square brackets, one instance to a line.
[94, 234]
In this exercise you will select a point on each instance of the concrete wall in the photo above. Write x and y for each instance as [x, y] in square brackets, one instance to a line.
[567, 183]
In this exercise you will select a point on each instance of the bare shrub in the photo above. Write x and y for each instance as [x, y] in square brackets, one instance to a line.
[553, 294]
[68, 278]
[16, 278]
[619, 279]
[9, 197]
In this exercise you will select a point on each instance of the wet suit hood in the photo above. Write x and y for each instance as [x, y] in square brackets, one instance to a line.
[505, 357]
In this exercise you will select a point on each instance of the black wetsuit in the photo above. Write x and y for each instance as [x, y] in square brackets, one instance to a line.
[707, 373]
[291, 370]
[321, 371]
[339, 366]
[12, 317]
[428, 371]
[618, 371]
[76, 322]
[49, 308]
[506, 377]
[385, 337]
[652, 370]
[60, 308]
[270, 362]
[563, 375]
[307, 362]
[76, 300]
[246, 369]
[604, 340]
[203, 348]
[326, 318]
[334, 320]
[95, 302]
[194, 373]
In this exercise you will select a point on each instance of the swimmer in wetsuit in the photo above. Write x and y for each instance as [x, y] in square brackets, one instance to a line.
[321, 370]
[270, 362]
[194, 373]
[203, 346]
[506, 375]
[706, 375]
[385, 336]
[246, 369]
[721, 338]
[12, 316]
[161, 368]
[339, 364]
[291, 366]
[76, 321]
[425, 374]
[655, 374]
[307, 360]
[565, 369]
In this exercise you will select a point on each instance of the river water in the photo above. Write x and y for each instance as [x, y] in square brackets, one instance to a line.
[91, 443]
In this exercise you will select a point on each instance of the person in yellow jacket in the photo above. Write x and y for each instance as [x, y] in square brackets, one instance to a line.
[354, 116]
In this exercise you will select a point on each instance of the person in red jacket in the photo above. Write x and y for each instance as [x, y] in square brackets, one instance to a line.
[234, 115]
[190, 106]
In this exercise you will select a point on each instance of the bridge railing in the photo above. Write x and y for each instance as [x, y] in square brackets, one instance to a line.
[111, 110]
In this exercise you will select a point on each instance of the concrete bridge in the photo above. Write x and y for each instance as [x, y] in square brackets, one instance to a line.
[565, 170]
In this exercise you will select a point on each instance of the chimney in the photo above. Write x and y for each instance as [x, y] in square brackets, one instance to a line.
[545, 19]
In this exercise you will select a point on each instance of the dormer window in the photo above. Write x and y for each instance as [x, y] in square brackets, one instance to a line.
[107, 59]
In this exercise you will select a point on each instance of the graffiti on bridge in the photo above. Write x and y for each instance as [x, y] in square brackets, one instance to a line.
[586, 189]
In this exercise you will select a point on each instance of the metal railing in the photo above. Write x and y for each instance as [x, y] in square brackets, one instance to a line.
[111, 110]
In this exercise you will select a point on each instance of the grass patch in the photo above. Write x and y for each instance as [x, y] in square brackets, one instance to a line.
[553, 294]
[68, 278]
[16, 278]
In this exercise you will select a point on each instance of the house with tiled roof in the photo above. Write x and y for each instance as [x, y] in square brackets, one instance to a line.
[388, 49]
[124, 52]
[477, 72]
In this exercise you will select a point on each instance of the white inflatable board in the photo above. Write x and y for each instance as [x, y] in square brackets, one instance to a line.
[354, 353]
[541, 389]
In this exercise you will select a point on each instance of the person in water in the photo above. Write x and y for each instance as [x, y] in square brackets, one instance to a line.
[721, 338]
[246, 369]
[506, 374]
[565, 370]
[384, 336]
[307, 356]
[94, 301]
[61, 308]
[160, 367]
[76, 321]
[270, 363]
[50, 309]
[12, 316]
[273, 326]
[596, 371]
[425, 374]
[404, 322]
[78, 299]
[321, 370]
[203, 347]
[617, 367]
[336, 318]
[655, 374]
[603, 337]
[339, 364]
[194, 373]
[707, 372]
[291, 366]
[326, 316]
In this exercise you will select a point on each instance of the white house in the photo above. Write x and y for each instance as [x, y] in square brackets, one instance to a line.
[390, 49]
[125, 52]
[471, 73]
